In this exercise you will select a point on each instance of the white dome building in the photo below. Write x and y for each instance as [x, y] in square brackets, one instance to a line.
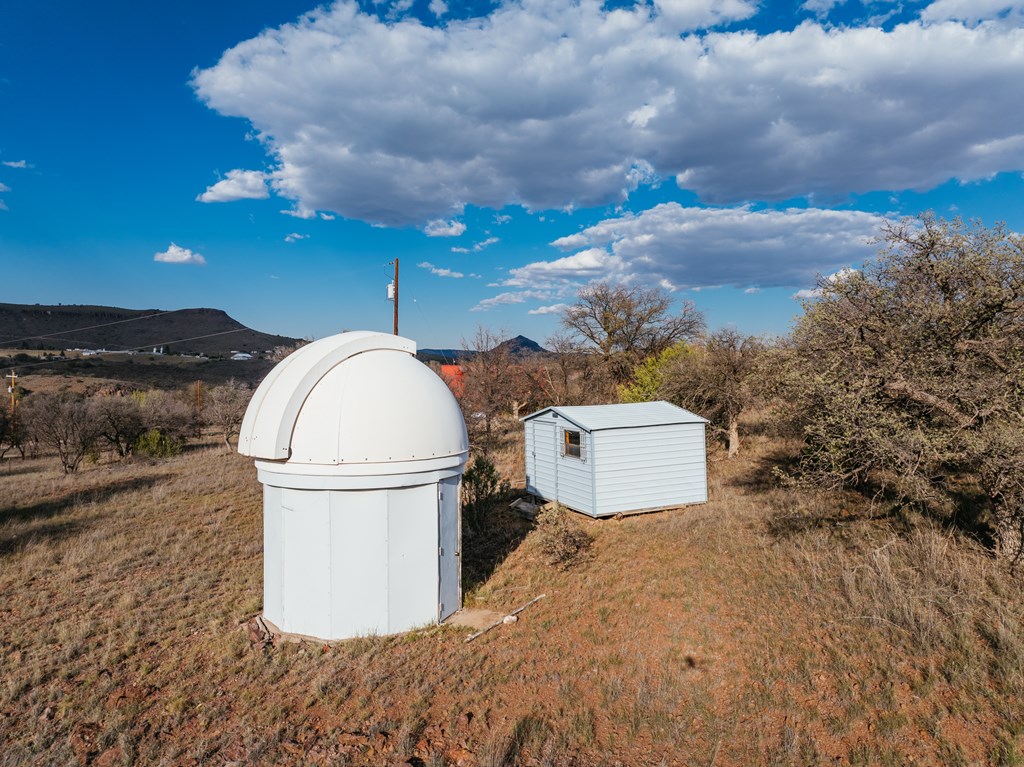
[360, 448]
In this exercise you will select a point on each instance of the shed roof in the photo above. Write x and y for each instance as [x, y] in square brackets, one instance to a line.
[623, 416]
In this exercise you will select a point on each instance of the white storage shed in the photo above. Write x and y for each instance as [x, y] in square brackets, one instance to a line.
[360, 448]
[611, 459]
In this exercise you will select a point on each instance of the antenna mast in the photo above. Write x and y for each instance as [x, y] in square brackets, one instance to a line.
[393, 293]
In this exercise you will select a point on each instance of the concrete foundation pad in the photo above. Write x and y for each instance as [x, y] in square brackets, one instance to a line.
[474, 618]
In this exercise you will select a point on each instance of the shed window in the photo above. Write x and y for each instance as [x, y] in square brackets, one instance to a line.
[572, 444]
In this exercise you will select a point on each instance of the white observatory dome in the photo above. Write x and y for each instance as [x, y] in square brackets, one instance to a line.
[357, 404]
[360, 448]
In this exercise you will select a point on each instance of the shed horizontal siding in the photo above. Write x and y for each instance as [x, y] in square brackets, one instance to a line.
[575, 480]
[650, 467]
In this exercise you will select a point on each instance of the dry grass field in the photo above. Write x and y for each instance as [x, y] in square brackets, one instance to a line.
[765, 628]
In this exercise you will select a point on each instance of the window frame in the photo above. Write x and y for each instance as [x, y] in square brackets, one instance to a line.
[576, 451]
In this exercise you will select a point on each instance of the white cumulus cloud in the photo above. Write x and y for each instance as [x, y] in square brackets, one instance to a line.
[511, 297]
[820, 7]
[682, 15]
[808, 293]
[15, 163]
[478, 246]
[441, 228]
[295, 237]
[692, 247]
[176, 254]
[440, 271]
[975, 11]
[551, 309]
[237, 185]
[4, 187]
[557, 104]
[589, 264]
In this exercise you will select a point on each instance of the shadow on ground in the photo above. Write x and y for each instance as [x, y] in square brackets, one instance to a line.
[17, 522]
[500, 532]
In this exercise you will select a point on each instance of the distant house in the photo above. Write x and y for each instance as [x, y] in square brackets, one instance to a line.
[241, 356]
[603, 460]
[452, 375]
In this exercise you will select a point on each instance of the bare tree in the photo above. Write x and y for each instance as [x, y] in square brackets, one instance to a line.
[169, 414]
[626, 325]
[118, 421]
[527, 386]
[487, 381]
[282, 351]
[573, 374]
[715, 380]
[226, 406]
[12, 432]
[62, 422]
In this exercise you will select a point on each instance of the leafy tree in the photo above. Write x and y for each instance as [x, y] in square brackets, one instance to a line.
[226, 406]
[64, 423]
[626, 325]
[908, 375]
[649, 376]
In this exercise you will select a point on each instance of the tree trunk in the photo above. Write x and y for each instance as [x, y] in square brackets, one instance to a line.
[734, 437]
[1010, 537]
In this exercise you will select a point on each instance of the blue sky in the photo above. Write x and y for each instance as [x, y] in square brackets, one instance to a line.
[271, 158]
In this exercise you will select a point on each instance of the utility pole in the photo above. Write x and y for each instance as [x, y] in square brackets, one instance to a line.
[10, 390]
[393, 293]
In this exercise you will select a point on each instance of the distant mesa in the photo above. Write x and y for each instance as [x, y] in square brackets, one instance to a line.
[209, 332]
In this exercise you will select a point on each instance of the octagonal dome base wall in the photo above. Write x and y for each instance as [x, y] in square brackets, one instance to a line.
[341, 563]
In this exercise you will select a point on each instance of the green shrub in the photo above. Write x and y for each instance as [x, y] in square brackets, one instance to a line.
[156, 444]
[482, 488]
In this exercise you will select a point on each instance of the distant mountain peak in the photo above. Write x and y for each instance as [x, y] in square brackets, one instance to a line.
[521, 346]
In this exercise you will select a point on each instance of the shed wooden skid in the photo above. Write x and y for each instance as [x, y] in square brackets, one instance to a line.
[604, 460]
[360, 449]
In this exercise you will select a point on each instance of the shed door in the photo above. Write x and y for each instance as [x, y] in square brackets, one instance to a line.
[449, 598]
[544, 450]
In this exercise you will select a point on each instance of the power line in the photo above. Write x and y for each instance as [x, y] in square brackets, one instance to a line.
[90, 327]
[424, 323]
[134, 348]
